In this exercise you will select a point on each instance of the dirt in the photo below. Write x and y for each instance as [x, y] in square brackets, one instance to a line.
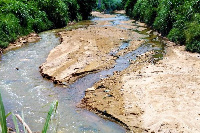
[84, 51]
[21, 41]
[161, 97]
[145, 97]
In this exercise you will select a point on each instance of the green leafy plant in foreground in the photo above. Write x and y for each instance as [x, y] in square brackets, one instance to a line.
[52, 109]
[4, 128]
[2, 116]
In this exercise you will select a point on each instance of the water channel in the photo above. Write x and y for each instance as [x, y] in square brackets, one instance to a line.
[24, 89]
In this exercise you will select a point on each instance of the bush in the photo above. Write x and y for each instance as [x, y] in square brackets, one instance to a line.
[176, 35]
[73, 10]
[164, 20]
[178, 20]
[129, 6]
[193, 34]
[86, 7]
[10, 29]
[111, 5]
[145, 10]
[56, 10]
[20, 17]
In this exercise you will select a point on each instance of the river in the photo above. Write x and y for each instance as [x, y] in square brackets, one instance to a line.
[24, 89]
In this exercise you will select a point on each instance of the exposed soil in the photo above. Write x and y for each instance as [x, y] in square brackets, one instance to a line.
[161, 97]
[145, 97]
[85, 50]
[32, 37]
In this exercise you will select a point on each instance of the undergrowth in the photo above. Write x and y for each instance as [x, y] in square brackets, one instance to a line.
[179, 20]
[110, 5]
[21, 17]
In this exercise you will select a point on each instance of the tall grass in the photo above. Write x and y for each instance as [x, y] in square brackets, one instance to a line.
[2, 116]
[15, 123]
[52, 109]
[4, 128]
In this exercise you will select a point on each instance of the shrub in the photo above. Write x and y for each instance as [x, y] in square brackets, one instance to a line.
[145, 10]
[56, 10]
[176, 35]
[164, 20]
[110, 5]
[86, 7]
[10, 29]
[193, 34]
[178, 20]
[20, 17]
[150, 11]
[129, 7]
[73, 10]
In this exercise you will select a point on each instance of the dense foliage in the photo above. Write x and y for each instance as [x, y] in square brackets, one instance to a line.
[179, 20]
[110, 5]
[20, 17]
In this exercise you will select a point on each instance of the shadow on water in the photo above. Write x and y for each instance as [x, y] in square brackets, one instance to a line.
[25, 89]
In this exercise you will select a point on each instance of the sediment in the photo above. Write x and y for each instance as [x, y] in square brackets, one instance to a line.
[84, 51]
[147, 96]
[21, 41]
[161, 97]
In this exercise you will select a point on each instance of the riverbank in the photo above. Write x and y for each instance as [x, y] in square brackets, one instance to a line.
[148, 96]
[152, 98]
[21, 41]
[86, 50]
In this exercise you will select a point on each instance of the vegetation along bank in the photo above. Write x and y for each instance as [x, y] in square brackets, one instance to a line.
[21, 17]
[179, 20]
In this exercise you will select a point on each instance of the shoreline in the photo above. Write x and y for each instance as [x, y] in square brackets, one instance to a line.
[21, 41]
[142, 106]
[82, 51]
[144, 97]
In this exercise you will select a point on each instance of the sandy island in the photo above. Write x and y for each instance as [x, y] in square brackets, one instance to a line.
[146, 97]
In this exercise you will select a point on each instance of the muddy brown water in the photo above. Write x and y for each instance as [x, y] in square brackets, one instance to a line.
[24, 89]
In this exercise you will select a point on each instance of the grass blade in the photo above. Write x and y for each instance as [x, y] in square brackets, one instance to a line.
[53, 108]
[15, 123]
[2, 116]
[8, 114]
[23, 120]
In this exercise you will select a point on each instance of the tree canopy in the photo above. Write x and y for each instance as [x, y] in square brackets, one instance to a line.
[179, 20]
[20, 17]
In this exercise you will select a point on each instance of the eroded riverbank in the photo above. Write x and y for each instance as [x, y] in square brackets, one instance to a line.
[88, 50]
[24, 89]
[111, 45]
[161, 97]
[138, 90]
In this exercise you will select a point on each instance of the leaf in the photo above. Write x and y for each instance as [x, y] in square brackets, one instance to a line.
[53, 108]
[15, 123]
[2, 116]
[23, 120]
[8, 114]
